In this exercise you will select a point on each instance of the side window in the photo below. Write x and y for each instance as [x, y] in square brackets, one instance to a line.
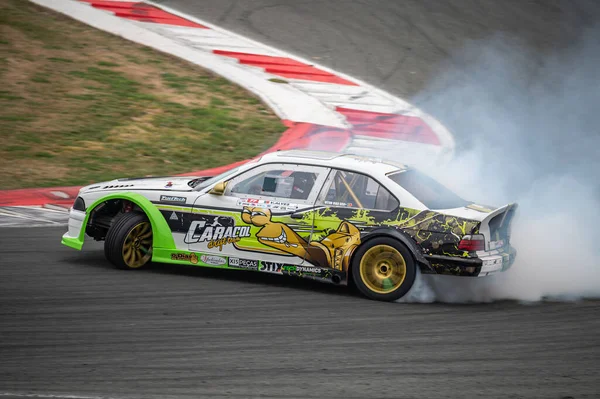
[355, 190]
[281, 183]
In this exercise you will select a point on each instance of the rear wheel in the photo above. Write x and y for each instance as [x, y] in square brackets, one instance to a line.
[128, 242]
[383, 269]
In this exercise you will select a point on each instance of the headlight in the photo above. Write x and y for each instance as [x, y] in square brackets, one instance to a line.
[79, 204]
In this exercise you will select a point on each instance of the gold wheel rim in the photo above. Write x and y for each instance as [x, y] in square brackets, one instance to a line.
[382, 269]
[137, 248]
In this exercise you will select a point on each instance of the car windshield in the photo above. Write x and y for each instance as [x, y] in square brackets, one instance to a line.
[431, 193]
[216, 178]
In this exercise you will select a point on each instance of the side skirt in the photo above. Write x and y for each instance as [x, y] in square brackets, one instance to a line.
[173, 256]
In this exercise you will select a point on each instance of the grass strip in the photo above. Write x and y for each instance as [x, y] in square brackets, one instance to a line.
[78, 105]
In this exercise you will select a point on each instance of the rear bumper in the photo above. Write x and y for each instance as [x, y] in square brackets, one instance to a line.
[497, 262]
[485, 264]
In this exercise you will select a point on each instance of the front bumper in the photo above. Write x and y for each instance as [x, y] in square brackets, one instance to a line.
[73, 237]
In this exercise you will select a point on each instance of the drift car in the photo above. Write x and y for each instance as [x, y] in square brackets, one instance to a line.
[324, 216]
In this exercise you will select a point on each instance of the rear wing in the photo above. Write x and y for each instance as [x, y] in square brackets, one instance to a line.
[496, 226]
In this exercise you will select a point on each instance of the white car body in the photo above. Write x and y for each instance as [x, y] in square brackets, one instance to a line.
[240, 221]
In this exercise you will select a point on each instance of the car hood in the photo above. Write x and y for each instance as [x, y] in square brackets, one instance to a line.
[166, 183]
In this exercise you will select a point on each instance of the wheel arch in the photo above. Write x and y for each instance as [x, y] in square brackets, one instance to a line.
[161, 233]
[404, 238]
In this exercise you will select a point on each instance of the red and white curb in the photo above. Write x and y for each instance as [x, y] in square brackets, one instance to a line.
[324, 109]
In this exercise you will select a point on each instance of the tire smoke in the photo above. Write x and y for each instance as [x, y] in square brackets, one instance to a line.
[528, 131]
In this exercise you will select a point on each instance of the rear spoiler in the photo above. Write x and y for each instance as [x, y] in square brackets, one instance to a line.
[507, 212]
[508, 208]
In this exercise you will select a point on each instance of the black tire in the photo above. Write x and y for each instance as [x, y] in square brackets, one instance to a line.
[389, 251]
[123, 236]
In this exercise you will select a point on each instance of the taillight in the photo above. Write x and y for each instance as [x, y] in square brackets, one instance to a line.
[473, 242]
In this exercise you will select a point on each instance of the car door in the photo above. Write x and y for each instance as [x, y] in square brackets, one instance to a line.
[350, 204]
[259, 217]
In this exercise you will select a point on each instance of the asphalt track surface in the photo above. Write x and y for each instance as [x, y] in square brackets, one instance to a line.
[70, 324]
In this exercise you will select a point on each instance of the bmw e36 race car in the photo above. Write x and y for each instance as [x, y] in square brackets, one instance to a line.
[318, 215]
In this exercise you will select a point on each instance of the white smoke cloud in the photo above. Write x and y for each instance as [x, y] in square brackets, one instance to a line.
[528, 131]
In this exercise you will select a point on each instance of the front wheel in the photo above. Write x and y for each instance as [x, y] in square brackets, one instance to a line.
[383, 269]
[128, 242]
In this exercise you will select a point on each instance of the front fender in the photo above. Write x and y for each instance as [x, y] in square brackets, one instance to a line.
[161, 233]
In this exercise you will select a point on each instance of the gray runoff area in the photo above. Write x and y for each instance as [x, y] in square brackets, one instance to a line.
[73, 326]
[20, 216]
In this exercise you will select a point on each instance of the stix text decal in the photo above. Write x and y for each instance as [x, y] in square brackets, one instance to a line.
[270, 267]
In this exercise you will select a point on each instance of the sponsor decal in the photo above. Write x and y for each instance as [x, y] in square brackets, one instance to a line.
[335, 203]
[171, 198]
[192, 258]
[248, 264]
[270, 267]
[301, 269]
[221, 231]
[213, 260]
[268, 204]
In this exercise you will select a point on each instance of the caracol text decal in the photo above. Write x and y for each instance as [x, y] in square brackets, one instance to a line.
[221, 232]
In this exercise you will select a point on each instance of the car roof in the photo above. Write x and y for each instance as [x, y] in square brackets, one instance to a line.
[353, 162]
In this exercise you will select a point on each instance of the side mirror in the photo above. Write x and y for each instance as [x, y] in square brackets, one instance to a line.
[219, 188]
